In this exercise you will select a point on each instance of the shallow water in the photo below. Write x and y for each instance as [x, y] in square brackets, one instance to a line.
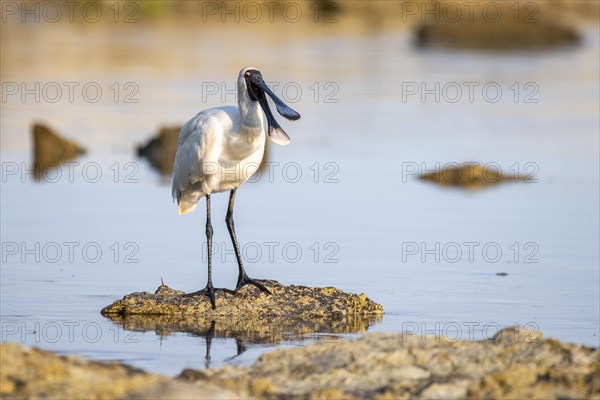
[361, 219]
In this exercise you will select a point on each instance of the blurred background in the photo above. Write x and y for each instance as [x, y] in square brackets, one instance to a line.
[372, 195]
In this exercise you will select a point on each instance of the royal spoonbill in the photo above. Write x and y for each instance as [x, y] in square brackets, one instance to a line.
[219, 149]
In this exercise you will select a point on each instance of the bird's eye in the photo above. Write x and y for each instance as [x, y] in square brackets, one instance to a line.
[247, 74]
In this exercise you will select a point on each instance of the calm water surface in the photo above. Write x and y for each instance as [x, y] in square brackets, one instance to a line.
[361, 222]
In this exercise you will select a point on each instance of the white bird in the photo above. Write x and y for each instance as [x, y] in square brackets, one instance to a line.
[219, 149]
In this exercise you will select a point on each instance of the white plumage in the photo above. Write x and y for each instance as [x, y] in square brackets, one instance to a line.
[220, 148]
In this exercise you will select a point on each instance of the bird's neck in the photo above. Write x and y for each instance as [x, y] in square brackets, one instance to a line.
[251, 114]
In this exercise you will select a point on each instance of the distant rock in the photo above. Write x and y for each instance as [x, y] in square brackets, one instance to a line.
[49, 149]
[160, 150]
[493, 25]
[471, 175]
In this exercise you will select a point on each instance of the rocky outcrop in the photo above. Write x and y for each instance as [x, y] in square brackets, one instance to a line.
[285, 302]
[49, 149]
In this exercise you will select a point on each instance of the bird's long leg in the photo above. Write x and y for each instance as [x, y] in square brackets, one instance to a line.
[243, 278]
[209, 289]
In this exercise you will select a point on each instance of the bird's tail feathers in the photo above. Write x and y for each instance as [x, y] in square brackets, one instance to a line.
[188, 199]
[185, 208]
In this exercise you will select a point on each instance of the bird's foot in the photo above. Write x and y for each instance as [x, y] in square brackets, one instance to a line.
[245, 280]
[208, 291]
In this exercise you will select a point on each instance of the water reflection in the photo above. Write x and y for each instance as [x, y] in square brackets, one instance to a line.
[246, 329]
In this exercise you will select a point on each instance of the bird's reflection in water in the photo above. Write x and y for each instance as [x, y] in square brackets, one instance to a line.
[247, 331]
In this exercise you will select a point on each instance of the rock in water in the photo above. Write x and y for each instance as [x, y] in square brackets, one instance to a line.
[285, 302]
[472, 176]
[494, 25]
[160, 150]
[250, 316]
[49, 149]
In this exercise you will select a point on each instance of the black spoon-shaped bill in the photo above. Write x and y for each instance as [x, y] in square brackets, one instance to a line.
[257, 88]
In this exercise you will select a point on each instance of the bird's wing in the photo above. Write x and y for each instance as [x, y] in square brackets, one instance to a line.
[199, 146]
[191, 126]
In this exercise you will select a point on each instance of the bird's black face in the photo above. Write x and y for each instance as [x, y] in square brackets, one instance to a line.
[257, 91]
[254, 81]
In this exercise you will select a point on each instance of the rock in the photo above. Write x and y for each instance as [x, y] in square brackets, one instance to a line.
[33, 373]
[496, 25]
[49, 149]
[290, 313]
[160, 150]
[285, 302]
[471, 176]
[517, 363]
